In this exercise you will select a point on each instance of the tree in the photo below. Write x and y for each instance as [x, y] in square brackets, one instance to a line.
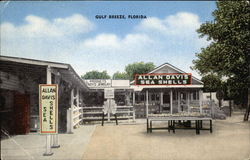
[96, 75]
[228, 53]
[120, 75]
[138, 68]
[212, 83]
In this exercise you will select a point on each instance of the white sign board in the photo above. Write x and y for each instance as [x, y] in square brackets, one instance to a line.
[48, 108]
[98, 83]
[109, 93]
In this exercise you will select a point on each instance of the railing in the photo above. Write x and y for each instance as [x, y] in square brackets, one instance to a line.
[74, 117]
[95, 113]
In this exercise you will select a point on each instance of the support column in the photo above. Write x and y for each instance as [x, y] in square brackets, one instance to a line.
[146, 103]
[161, 102]
[70, 121]
[171, 101]
[134, 98]
[127, 98]
[188, 101]
[48, 151]
[54, 141]
[200, 100]
[72, 97]
[150, 98]
[77, 97]
[179, 100]
[161, 98]
[109, 105]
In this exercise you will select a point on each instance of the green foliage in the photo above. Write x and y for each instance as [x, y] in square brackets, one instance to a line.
[228, 53]
[120, 75]
[96, 75]
[212, 83]
[138, 68]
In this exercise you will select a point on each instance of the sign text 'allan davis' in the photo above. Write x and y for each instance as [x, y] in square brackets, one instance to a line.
[48, 102]
[164, 79]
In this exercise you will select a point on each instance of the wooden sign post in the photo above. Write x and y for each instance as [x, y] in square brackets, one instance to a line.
[109, 93]
[48, 102]
[109, 105]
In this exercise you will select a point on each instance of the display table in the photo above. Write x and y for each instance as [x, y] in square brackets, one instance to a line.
[172, 120]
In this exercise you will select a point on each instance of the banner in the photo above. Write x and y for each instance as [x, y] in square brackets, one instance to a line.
[48, 102]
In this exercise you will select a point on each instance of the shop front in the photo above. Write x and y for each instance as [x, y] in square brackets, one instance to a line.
[166, 89]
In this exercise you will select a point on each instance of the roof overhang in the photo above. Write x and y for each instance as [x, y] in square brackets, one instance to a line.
[67, 72]
[141, 87]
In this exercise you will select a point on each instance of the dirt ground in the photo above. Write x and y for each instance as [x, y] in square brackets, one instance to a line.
[230, 140]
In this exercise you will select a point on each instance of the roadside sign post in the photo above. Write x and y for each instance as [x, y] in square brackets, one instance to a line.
[48, 102]
[109, 93]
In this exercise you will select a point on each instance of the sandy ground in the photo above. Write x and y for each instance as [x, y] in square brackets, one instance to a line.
[230, 140]
[32, 146]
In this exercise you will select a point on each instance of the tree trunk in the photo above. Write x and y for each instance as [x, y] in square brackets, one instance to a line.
[246, 116]
[230, 108]
[220, 103]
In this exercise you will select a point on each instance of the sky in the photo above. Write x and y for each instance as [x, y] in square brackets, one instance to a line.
[69, 32]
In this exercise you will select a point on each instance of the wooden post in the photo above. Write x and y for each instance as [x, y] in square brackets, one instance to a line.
[77, 97]
[54, 138]
[161, 102]
[48, 151]
[200, 100]
[161, 98]
[179, 100]
[188, 101]
[133, 98]
[109, 103]
[72, 97]
[70, 121]
[171, 101]
[146, 103]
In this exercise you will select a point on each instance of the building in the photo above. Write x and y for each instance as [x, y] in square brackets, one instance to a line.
[19, 85]
[171, 97]
[82, 100]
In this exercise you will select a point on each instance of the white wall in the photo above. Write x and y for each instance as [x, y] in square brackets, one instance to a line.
[206, 97]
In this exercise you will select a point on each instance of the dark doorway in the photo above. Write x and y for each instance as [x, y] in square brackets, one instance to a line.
[166, 98]
[21, 113]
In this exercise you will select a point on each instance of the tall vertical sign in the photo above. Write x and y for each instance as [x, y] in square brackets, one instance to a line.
[48, 102]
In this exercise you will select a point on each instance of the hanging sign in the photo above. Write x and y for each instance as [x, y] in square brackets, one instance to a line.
[109, 93]
[48, 104]
[163, 79]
